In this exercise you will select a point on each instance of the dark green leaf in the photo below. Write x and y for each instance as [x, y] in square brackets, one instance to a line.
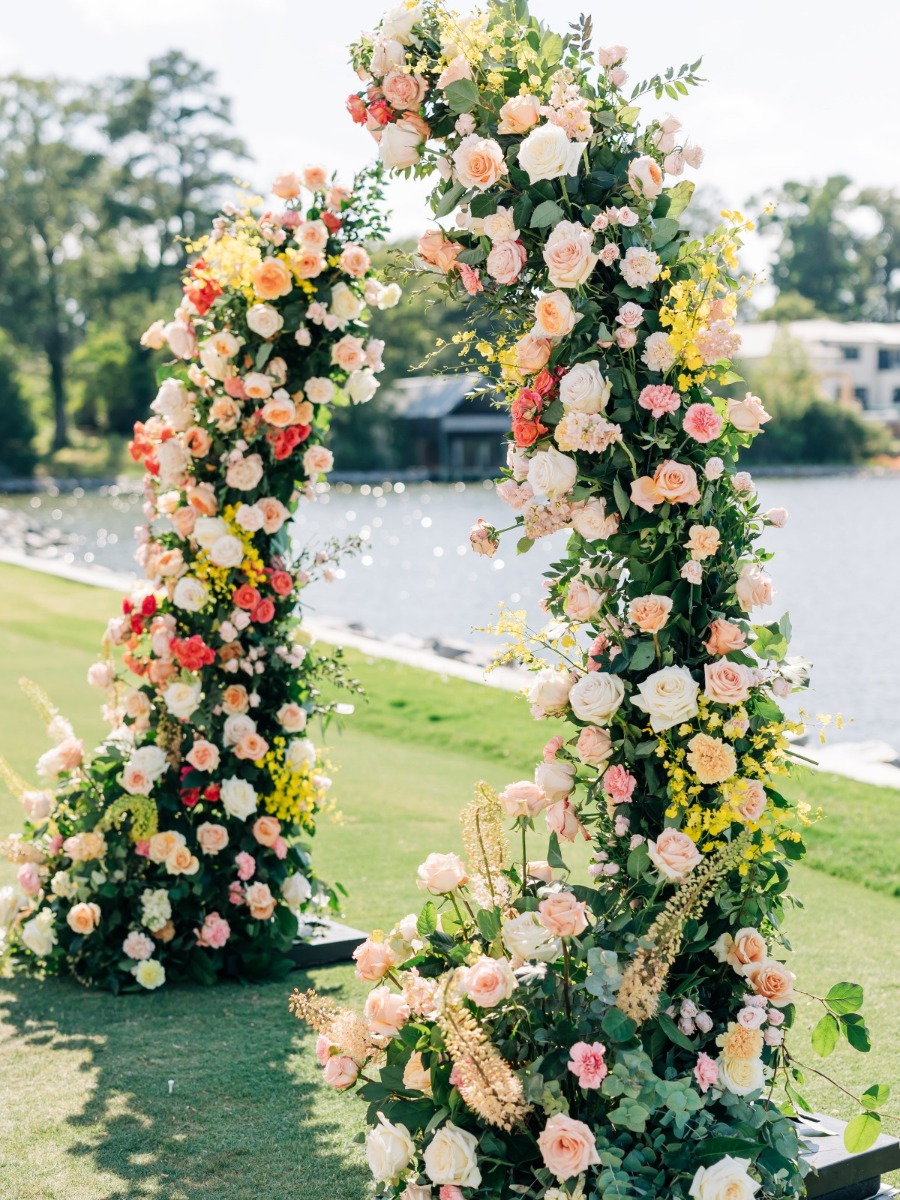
[449, 200]
[547, 212]
[673, 1033]
[623, 503]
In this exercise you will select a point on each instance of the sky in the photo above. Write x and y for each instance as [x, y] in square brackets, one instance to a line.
[794, 91]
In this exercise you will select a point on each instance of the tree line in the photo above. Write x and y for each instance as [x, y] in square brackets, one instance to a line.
[103, 184]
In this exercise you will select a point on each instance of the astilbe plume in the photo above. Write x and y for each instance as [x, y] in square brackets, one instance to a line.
[486, 846]
[342, 1027]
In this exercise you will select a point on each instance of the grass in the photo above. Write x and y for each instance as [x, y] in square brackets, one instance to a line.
[93, 1118]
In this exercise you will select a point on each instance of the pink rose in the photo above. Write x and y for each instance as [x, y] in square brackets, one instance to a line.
[754, 588]
[674, 854]
[203, 756]
[29, 878]
[523, 799]
[724, 637]
[386, 1012]
[505, 262]
[587, 1065]
[562, 819]
[340, 1072]
[727, 682]
[777, 517]
[373, 960]
[246, 865]
[751, 797]
[215, 932]
[317, 460]
[705, 1072]
[567, 1147]
[403, 91]
[562, 915]
[355, 261]
[489, 981]
[582, 601]
[594, 746]
[702, 423]
[441, 874]
[138, 946]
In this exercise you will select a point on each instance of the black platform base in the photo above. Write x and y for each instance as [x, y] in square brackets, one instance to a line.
[323, 942]
[841, 1175]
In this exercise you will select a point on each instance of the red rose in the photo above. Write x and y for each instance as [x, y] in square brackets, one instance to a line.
[527, 433]
[381, 112]
[356, 107]
[264, 612]
[211, 793]
[282, 583]
[331, 222]
[192, 653]
[137, 623]
[127, 606]
[527, 405]
[148, 606]
[246, 597]
[190, 797]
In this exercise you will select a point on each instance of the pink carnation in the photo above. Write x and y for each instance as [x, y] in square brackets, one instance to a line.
[702, 423]
[470, 279]
[215, 932]
[619, 784]
[660, 399]
[450, 1192]
[705, 1072]
[586, 1062]
[551, 748]
[246, 865]
[236, 894]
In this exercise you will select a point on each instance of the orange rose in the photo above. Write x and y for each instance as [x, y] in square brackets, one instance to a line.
[271, 279]
[724, 637]
[83, 918]
[235, 699]
[266, 830]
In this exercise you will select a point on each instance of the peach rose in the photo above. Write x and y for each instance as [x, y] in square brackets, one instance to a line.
[183, 520]
[83, 918]
[727, 682]
[404, 91]
[162, 844]
[754, 588]
[532, 353]
[677, 482]
[439, 251]
[582, 601]
[315, 177]
[645, 177]
[224, 413]
[594, 746]
[562, 915]
[724, 637]
[373, 960]
[235, 699]
[182, 862]
[746, 949]
[505, 262]
[519, 114]
[286, 187]
[489, 981]
[773, 980]
[260, 901]
[649, 613]
[567, 1147]
[554, 316]
[266, 830]
[340, 1072]
[170, 563]
[274, 513]
[212, 838]
[197, 441]
[703, 542]
[252, 747]
[674, 854]
[317, 460]
[271, 279]
[747, 415]
[308, 263]
[523, 799]
[312, 235]
[386, 1012]
[203, 755]
[355, 261]
[569, 255]
[750, 798]
[711, 759]
[279, 411]
[458, 68]
[479, 162]
[292, 718]
[417, 1077]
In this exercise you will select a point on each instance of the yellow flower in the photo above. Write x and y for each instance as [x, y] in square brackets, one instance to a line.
[150, 974]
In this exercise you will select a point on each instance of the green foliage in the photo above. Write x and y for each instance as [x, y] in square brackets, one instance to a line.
[17, 451]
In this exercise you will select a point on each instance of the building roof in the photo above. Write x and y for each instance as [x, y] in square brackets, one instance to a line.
[430, 396]
[757, 339]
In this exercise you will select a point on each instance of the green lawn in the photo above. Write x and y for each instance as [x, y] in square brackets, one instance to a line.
[91, 1116]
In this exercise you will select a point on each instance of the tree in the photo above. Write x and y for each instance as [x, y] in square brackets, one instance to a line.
[881, 255]
[51, 188]
[172, 132]
[17, 454]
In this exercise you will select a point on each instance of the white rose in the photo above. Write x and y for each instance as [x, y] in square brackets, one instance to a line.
[245, 473]
[590, 520]
[173, 459]
[584, 389]
[296, 890]
[389, 1150]
[173, 402]
[39, 934]
[449, 1158]
[668, 697]
[190, 594]
[569, 255]
[319, 390]
[345, 304]
[300, 754]
[525, 937]
[741, 1076]
[151, 760]
[389, 297]
[212, 362]
[727, 1179]
[645, 177]
[501, 226]
[550, 690]
[399, 145]
[249, 517]
[264, 320]
[181, 339]
[596, 696]
[238, 798]
[182, 699]
[547, 153]
[9, 906]
[237, 727]
[555, 779]
[399, 23]
[227, 551]
[208, 530]
[552, 473]
[361, 386]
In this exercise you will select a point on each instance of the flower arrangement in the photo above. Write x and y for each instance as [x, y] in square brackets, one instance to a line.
[630, 1036]
[179, 848]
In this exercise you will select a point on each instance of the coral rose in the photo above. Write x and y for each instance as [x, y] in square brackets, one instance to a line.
[724, 637]
[554, 316]
[772, 980]
[260, 901]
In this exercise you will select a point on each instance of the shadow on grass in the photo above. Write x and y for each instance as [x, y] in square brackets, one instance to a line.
[247, 1115]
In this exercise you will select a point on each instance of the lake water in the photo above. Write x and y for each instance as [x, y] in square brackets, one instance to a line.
[837, 570]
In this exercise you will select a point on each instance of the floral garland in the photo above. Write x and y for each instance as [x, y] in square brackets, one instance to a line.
[180, 847]
[538, 1036]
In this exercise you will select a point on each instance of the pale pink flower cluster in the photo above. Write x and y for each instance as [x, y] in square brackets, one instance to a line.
[589, 432]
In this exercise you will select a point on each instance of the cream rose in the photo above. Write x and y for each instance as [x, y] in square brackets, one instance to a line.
[400, 145]
[567, 1147]
[552, 473]
[389, 1150]
[386, 1012]
[547, 153]
[754, 588]
[550, 691]
[489, 981]
[674, 854]
[346, 306]
[554, 315]
[590, 520]
[584, 390]
[296, 890]
[728, 1179]
[645, 177]
[238, 798]
[245, 473]
[183, 699]
[526, 938]
[747, 415]
[740, 1075]
[227, 551]
[417, 1076]
[569, 255]
[39, 934]
[555, 779]
[450, 1159]
[582, 601]
[596, 697]
[441, 873]
[562, 915]
[479, 162]
[668, 697]
[523, 799]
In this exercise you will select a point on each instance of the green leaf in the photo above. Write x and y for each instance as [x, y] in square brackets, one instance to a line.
[449, 200]
[618, 1027]
[262, 354]
[623, 503]
[462, 95]
[845, 998]
[664, 230]
[628, 115]
[644, 656]
[862, 1132]
[876, 1096]
[673, 1033]
[826, 1035]
[523, 545]
[427, 922]
[554, 858]
[547, 213]
[679, 197]
[473, 257]
[522, 210]
[483, 205]
[712, 1149]
[856, 1032]
[552, 48]
[488, 924]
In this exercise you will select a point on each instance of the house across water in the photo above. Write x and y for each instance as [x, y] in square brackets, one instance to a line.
[447, 431]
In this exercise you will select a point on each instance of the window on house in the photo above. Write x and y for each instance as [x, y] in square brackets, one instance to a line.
[862, 395]
[850, 352]
[889, 359]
